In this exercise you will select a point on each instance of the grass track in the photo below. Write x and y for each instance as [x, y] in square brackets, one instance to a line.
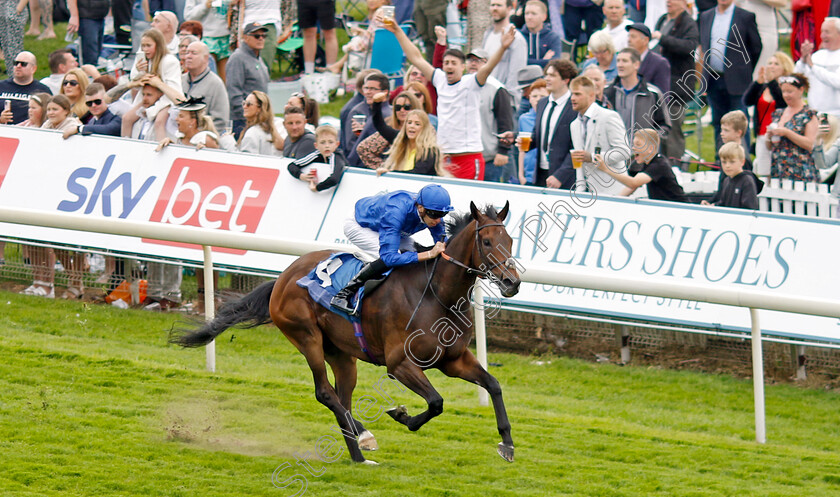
[94, 403]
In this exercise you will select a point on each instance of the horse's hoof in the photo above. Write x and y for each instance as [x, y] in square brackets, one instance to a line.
[367, 441]
[370, 463]
[506, 451]
[399, 413]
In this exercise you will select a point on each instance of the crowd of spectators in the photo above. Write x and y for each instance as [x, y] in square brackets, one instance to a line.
[517, 104]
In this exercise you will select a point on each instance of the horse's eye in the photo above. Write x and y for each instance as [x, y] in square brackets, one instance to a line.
[486, 243]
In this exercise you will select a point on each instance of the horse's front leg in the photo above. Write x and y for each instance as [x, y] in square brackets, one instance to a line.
[410, 375]
[467, 368]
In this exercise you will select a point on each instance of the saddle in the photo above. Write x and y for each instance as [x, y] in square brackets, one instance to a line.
[332, 274]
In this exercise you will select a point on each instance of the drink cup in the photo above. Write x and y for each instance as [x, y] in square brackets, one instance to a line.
[388, 12]
[359, 118]
[524, 141]
[577, 158]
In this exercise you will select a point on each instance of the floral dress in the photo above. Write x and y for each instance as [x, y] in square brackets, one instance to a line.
[790, 161]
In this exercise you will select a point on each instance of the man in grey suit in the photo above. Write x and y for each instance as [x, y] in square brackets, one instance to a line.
[597, 131]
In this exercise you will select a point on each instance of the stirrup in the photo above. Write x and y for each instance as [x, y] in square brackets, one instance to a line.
[339, 304]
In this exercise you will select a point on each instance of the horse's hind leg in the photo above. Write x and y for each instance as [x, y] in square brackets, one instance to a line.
[467, 368]
[412, 376]
[344, 370]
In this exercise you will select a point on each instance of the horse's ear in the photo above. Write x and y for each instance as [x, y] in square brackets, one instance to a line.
[474, 211]
[504, 212]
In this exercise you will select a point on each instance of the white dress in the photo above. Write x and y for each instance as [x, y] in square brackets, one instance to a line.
[170, 74]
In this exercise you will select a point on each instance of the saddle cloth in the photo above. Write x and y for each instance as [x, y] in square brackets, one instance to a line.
[329, 277]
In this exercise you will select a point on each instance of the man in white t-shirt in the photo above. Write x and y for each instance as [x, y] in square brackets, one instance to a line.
[823, 68]
[459, 97]
[614, 11]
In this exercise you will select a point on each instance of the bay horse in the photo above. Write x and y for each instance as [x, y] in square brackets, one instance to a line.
[432, 297]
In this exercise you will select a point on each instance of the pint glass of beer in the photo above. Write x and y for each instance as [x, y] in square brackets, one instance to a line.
[524, 141]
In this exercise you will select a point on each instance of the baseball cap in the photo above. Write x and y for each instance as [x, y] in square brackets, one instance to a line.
[252, 27]
[479, 53]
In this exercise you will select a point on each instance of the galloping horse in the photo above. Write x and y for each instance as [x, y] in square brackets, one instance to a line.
[432, 297]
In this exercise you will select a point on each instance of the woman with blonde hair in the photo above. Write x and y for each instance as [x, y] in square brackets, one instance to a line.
[765, 94]
[73, 87]
[370, 149]
[154, 59]
[195, 127]
[260, 135]
[421, 93]
[415, 149]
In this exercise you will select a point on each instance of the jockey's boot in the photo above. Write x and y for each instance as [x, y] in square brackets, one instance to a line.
[342, 299]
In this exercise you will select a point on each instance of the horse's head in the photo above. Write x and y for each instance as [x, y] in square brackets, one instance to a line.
[492, 251]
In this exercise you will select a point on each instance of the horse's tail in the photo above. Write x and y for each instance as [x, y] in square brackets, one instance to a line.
[248, 312]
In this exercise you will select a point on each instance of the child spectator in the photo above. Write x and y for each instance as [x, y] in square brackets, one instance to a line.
[527, 121]
[733, 127]
[739, 188]
[326, 145]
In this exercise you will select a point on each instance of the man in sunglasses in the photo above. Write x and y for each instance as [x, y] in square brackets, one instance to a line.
[246, 72]
[17, 89]
[382, 226]
[103, 122]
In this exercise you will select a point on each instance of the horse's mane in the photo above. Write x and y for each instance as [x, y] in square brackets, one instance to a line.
[458, 221]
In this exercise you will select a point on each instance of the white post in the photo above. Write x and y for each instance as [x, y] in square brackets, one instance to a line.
[480, 338]
[209, 303]
[758, 378]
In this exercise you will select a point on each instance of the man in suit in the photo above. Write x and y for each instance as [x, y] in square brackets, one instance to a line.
[655, 69]
[103, 122]
[551, 129]
[597, 130]
[731, 46]
[678, 37]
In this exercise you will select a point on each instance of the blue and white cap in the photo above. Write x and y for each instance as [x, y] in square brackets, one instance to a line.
[434, 197]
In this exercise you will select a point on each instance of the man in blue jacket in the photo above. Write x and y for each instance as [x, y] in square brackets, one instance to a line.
[383, 225]
[543, 43]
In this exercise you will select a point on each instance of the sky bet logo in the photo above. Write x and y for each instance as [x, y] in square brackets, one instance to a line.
[214, 195]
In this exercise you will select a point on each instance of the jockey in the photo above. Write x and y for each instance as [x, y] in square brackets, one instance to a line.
[383, 225]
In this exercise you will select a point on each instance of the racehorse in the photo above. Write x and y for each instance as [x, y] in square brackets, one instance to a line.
[431, 299]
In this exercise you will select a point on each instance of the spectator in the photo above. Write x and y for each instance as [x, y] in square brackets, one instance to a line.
[42, 262]
[37, 110]
[184, 42]
[496, 109]
[194, 127]
[578, 12]
[194, 28]
[326, 145]
[371, 149]
[154, 59]
[415, 148]
[428, 14]
[793, 133]
[246, 72]
[421, 93]
[733, 128]
[596, 129]
[603, 55]
[727, 76]
[616, 23]
[515, 57]
[260, 135]
[311, 13]
[806, 23]
[17, 89]
[102, 121]
[678, 37]
[87, 17]
[459, 118]
[361, 41]
[653, 170]
[12, 22]
[357, 98]
[595, 73]
[527, 122]
[200, 82]
[359, 130]
[822, 68]
[638, 10]
[639, 103]
[654, 68]
[299, 142]
[739, 188]
[73, 87]
[310, 108]
[40, 10]
[551, 133]
[766, 96]
[143, 129]
[265, 13]
[215, 33]
[543, 43]
[121, 12]
[412, 74]
[768, 28]
[167, 23]
[60, 62]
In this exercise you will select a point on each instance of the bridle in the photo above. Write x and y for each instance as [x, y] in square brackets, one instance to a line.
[487, 274]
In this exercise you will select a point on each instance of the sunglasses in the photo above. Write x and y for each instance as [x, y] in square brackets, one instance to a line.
[95, 101]
[259, 36]
[433, 214]
[70, 82]
[21, 63]
[248, 104]
[400, 107]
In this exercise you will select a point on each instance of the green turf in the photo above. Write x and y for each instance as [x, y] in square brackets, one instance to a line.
[95, 403]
